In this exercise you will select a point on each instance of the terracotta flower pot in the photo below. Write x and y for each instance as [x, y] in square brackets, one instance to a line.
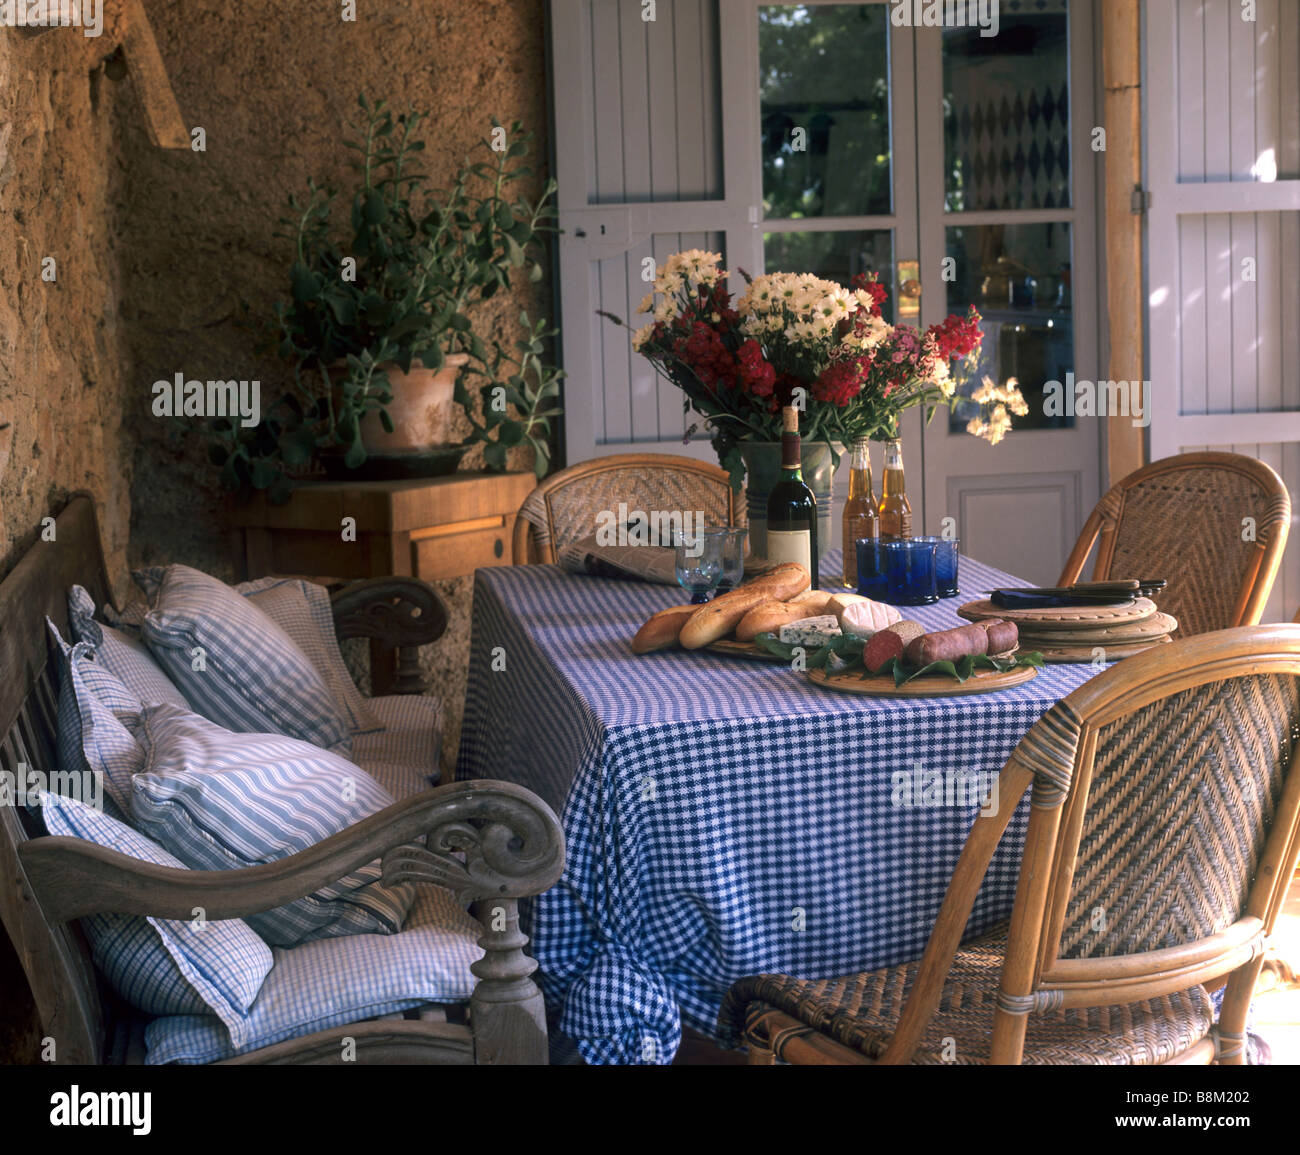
[421, 411]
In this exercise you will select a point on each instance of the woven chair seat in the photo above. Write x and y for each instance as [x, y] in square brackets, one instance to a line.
[860, 1011]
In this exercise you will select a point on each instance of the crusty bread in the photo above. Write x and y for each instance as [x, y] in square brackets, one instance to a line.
[662, 629]
[815, 602]
[769, 617]
[783, 582]
[718, 618]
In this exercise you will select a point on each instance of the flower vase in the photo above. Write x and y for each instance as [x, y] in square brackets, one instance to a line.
[763, 471]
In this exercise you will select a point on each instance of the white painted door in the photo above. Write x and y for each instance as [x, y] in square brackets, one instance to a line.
[1222, 98]
[1007, 223]
[791, 137]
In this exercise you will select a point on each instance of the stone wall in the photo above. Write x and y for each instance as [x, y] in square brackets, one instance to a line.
[63, 349]
[274, 87]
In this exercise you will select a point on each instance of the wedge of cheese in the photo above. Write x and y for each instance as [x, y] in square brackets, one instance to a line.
[811, 632]
[864, 618]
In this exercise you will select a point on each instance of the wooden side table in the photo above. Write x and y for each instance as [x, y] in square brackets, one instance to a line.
[443, 527]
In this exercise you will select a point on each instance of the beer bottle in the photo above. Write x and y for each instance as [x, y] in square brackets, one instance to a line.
[861, 513]
[895, 509]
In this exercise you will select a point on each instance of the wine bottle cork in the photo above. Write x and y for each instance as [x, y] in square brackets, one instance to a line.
[790, 419]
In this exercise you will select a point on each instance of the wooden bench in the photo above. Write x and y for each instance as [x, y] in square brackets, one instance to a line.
[510, 839]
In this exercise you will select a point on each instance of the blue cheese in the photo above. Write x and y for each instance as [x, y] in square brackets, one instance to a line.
[811, 632]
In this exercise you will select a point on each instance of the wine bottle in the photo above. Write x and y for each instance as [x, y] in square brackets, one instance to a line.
[895, 509]
[861, 513]
[791, 506]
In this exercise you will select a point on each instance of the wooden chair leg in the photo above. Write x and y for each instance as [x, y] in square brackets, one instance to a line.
[1230, 1031]
[761, 1057]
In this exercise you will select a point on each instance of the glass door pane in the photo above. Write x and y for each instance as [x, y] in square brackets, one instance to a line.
[1007, 114]
[824, 110]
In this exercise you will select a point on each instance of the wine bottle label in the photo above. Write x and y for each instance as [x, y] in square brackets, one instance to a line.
[790, 545]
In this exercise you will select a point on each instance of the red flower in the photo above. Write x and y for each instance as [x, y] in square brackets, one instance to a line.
[957, 336]
[839, 383]
[755, 375]
[878, 292]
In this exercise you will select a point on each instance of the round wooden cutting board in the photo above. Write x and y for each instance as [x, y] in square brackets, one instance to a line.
[1083, 651]
[926, 686]
[1064, 618]
[1151, 629]
[751, 650]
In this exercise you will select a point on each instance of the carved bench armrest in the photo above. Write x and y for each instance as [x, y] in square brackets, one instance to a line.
[401, 613]
[511, 839]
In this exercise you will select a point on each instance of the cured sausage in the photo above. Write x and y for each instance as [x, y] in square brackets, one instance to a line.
[948, 645]
[891, 642]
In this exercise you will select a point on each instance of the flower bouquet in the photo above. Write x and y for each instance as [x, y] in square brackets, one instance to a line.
[795, 339]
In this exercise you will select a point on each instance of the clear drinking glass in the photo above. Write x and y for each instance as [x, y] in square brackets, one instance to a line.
[733, 555]
[699, 563]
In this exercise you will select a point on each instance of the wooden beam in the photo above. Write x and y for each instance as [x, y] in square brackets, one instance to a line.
[162, 113]
[1122, 70]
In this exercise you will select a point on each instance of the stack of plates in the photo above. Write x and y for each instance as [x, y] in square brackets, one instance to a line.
[1077, 633]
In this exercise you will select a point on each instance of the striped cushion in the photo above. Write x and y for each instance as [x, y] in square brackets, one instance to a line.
[251, 677]
[97, 717]
[338, 981]
[223, 801]
[302, 610]
[120, 654]
[402, 757]
[165, 966]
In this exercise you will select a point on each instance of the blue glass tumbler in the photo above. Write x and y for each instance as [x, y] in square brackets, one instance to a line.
[947, 551]
[872, 582]
[909, 572]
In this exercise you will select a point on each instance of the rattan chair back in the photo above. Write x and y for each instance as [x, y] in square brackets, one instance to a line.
[1213, 525]
[1164, 827]
[567, 507]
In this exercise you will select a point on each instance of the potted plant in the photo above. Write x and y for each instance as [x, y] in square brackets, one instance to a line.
[379, 323]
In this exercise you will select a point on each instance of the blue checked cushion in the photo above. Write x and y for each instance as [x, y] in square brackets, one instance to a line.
[120, 654]
[337, 981]
[403, 757]
[224, 801]
[253, 678]
[97, 718]
[302, 610]
[165, 966]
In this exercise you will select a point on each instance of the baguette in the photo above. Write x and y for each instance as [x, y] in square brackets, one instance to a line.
[782, 583]
[815, 602]
[662, 629]
[769, 617]
[717, 619]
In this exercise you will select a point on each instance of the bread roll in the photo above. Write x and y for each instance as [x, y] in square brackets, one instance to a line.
[769, 617]
[662, 629]
[784, 582]
[816, 602]
[717, 619]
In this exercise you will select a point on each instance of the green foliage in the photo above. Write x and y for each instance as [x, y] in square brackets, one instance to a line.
[399, 287]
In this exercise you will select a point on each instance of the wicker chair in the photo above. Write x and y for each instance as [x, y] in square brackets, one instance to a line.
[1183, 519]
[563, 509]
[1165, 824]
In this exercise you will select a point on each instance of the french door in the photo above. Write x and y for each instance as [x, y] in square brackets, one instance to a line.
[820, 137]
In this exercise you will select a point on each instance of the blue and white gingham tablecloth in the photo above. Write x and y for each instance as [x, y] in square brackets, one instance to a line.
[724, 817]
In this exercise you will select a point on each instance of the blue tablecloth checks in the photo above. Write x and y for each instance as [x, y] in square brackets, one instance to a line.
[723, 817]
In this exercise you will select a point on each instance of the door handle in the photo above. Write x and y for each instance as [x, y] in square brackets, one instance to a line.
[909, 289]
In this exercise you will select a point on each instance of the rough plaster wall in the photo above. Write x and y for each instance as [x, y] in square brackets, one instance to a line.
[63, 350]
[273, 85]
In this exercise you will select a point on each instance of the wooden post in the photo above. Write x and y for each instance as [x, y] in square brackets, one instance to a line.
[1122, 69]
